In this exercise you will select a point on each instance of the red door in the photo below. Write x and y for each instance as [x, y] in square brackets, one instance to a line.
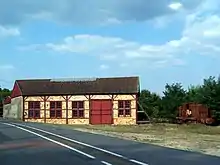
[101, 112]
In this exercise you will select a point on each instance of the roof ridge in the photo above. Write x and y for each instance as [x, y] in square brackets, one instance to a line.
[49, 79]
[35, 79]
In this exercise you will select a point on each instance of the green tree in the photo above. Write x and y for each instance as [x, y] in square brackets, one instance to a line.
[174, 96]
[210, 95]
[4, 93]
[194, 94]
[150, 102]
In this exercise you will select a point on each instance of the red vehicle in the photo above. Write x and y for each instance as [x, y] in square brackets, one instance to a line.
[194, 113]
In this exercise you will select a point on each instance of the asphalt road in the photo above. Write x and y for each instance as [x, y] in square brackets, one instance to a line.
[40, 144]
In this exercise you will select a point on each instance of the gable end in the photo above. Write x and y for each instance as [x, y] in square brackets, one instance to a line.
[16, 92]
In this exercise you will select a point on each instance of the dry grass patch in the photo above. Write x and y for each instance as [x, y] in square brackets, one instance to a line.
[199, 138]
[194, 137]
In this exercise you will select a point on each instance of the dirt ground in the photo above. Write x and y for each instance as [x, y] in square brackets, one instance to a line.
[198, 138]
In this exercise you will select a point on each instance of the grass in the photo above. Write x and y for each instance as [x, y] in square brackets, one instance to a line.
[198, 138]
[156, 128]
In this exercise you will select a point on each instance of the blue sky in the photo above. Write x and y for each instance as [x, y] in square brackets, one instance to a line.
[161, 41]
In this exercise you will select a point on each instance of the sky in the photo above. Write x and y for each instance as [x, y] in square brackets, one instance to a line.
[161, 41]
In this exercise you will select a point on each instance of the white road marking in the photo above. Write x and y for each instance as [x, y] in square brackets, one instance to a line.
[106, 163]
[137, 162]
[78, 142]
[54, 141]
[85, 144]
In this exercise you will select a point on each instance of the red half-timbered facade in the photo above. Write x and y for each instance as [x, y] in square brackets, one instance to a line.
[78, 101]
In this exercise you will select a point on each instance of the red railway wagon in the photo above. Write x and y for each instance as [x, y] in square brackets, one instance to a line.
[194, 113]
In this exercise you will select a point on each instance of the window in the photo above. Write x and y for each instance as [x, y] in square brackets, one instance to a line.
[78, 109]
[56, 109]
[124, 108]
[34, 109]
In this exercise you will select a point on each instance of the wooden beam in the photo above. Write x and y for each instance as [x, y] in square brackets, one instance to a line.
[67, 100]
[144, 111]
[45, 99]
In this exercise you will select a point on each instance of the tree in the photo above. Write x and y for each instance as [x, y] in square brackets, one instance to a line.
[174, 96]
[210, 95]
[150, 103]
[4, 93]
[194, 94]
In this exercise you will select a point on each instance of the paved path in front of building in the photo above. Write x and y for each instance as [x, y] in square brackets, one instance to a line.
[40, 144]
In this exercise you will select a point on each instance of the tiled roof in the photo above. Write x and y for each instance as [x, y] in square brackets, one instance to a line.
[112, 85]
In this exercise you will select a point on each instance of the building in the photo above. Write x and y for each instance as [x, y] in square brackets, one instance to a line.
[75, 101]
[7, 108]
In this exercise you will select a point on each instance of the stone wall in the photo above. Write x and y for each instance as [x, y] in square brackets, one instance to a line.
[15, 109]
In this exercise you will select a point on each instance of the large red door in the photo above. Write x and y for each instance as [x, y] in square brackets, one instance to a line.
[101, 112]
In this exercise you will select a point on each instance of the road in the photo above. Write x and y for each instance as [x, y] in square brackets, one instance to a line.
[40, 144]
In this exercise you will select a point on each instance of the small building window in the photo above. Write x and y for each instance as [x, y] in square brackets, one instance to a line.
[124, 108]
[56, 109]
[78, 109]
[34, 109]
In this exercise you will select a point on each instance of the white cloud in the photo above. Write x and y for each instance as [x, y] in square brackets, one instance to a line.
[104, 67]
[111, 48]
[200, 36]
[7, 31]
[175, 6]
